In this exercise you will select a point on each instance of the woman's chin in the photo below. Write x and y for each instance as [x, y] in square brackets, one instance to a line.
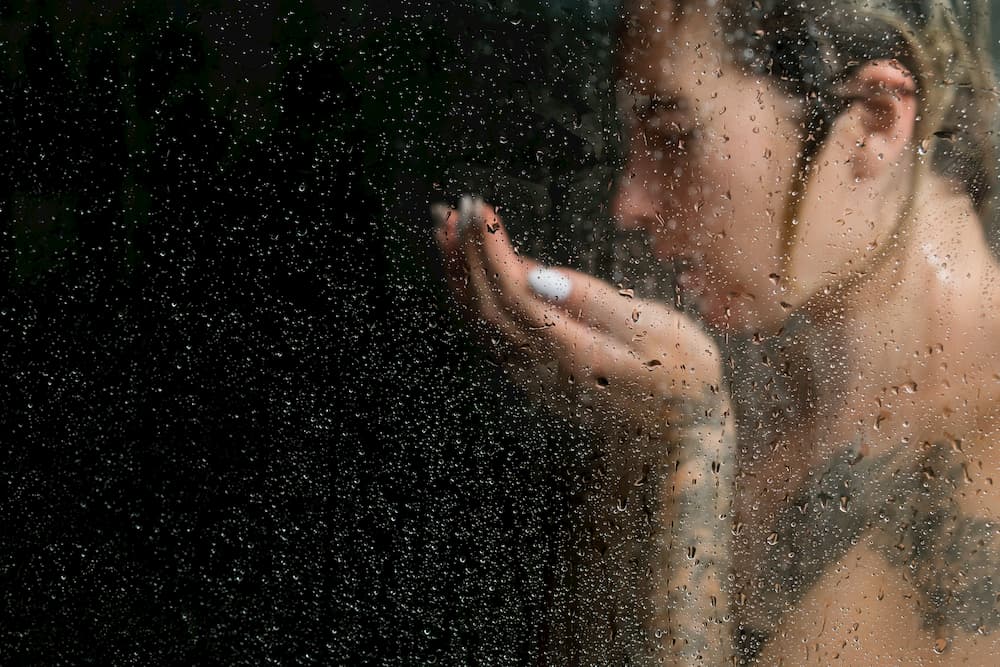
[720, 317]
[716, 313]
[737, 316]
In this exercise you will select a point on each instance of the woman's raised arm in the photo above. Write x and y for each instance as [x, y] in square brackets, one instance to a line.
[654, 556]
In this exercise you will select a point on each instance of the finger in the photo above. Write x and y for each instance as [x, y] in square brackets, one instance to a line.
[451, 223]
[505, 271]
[453, 262]
[483, 293]
[669, 338]
[445, 232]
[485, 290]
[635, 378]
[461, 261]
[497, 270]
[598, 304]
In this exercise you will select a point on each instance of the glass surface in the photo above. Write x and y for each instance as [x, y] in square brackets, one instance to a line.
[500, 331]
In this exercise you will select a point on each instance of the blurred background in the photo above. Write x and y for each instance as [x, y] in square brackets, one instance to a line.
[241, 423]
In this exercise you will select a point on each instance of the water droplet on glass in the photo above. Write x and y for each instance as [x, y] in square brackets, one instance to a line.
[879, 418]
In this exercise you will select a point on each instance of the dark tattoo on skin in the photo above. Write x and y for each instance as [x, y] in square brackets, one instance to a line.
[903, 502]
[652, 559]
[695, 550]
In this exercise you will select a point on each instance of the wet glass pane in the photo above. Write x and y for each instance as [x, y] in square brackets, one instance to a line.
[500, 331]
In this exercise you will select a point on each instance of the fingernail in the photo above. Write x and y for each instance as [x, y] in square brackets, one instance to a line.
[550, 284]
[468, 209]
[439, 213]
[464, 213]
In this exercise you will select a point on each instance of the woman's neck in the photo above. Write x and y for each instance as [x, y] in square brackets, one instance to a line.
[922, 319]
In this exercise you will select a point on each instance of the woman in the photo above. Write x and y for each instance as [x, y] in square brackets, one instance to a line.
[803, 472]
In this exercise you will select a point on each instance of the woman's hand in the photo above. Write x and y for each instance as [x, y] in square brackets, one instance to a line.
[577, 343]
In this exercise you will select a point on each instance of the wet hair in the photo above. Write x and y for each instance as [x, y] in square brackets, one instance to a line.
[809, 47]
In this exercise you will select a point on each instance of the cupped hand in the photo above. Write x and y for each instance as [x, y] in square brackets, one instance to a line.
[581, 345]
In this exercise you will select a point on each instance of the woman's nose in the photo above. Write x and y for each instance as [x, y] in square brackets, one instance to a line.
[632, 205]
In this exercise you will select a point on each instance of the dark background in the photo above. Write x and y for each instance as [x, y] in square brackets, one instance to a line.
[239, 421]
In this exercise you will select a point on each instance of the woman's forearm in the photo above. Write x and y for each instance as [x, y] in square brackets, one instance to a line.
[651, 558]
[691, 620]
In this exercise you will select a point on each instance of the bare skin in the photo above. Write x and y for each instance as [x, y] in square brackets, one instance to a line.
[859, 517]
[896, 551]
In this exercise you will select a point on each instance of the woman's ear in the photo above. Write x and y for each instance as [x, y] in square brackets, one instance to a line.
[883, 116]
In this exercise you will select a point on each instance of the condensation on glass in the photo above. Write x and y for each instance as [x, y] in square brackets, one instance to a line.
[500, 332]
[766, 298]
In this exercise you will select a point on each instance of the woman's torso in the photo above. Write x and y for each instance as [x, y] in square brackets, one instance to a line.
[866, 515]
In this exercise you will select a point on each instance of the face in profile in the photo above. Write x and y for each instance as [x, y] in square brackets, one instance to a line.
[711, 158]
